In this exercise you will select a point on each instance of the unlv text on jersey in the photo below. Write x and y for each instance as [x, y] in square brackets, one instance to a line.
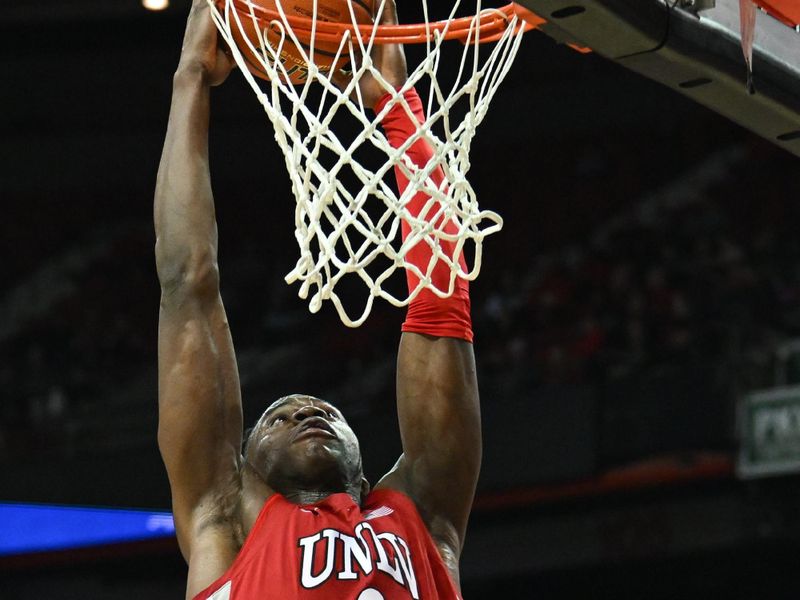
[344, 556]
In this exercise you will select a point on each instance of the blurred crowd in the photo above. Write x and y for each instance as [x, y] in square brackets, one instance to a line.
[707, 267]
[703, 268]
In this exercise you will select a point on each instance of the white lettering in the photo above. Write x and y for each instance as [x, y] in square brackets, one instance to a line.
[386, 553]
[308, 579]
[386, 566]
[404, 556]
[358, 549]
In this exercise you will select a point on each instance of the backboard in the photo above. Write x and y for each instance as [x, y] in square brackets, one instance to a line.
[694, 48]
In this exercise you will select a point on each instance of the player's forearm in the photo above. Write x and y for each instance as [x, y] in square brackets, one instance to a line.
[440, 423]
[186, 232]
[427, 313]
[438, 401]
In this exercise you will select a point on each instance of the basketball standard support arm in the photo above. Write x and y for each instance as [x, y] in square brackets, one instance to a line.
[699, 56]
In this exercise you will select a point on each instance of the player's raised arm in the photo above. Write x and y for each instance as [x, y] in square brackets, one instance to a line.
[437, 392]
[200, 415]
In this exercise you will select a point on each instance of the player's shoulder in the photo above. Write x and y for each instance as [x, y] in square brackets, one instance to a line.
[385, 501]
[396, 498]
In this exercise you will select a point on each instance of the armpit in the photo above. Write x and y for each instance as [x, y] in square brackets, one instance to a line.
[447, 542]
[220, 516]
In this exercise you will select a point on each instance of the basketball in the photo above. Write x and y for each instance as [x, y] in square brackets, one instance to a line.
[335, 11]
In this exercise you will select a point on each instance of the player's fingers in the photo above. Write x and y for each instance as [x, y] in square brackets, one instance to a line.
[222, 46]
[389, 14]
[225, 56]
[341, 78]
[200, 28]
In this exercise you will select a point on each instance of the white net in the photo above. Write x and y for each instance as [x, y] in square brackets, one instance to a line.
[348, 215]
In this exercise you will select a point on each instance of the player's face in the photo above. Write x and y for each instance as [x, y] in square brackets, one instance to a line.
[302, 441]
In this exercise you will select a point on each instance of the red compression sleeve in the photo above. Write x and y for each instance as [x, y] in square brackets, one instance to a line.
[427, 313]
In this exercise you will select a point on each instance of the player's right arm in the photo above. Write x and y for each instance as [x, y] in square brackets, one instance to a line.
[200, 414]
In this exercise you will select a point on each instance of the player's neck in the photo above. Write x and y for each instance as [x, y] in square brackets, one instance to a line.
[303, 488]
[255, 492]
[301, 496]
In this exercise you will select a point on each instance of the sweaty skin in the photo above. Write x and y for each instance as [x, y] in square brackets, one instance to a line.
[301, 447]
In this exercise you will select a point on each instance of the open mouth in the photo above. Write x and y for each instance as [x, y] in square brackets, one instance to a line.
[315, 427]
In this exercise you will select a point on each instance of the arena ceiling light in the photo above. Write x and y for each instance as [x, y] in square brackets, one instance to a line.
[155, 4]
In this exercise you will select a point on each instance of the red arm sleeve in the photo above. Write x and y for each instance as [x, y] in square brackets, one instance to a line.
[427, 313]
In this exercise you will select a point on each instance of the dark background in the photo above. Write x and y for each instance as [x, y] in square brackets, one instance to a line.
[647, 271]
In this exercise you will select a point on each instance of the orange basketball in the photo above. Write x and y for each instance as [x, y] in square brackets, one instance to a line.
[336, 11]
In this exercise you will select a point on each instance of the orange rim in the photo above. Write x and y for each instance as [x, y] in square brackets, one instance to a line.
[787, 11]
[492, 23]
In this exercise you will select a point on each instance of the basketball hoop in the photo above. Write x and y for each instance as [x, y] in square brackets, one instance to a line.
[491, 23]
[354, 230]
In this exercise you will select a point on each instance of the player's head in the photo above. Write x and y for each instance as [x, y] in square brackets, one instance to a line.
[304, 443]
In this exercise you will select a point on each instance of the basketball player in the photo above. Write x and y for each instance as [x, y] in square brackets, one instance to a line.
[293, 516]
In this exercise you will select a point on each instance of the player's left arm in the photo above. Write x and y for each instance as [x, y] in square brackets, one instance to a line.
[437, 390]
[440, 427]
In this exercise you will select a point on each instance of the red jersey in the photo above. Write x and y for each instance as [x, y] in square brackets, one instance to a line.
[337, 550]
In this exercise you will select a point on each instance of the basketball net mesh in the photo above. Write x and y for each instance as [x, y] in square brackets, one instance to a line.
[356, 229]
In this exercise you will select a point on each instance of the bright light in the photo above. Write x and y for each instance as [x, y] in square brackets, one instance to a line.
[41, 528]
[155, 4]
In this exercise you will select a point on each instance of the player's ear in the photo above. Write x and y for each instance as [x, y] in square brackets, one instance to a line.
[365, 487]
